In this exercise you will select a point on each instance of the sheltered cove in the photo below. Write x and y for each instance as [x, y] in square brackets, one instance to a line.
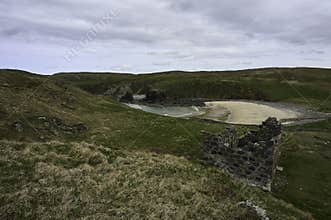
[235, 112]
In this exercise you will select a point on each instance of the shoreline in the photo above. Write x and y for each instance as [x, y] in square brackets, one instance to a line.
[237, 112]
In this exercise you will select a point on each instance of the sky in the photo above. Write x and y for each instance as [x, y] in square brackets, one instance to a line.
[140, 36]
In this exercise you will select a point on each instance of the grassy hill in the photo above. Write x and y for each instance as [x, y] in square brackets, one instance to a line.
[308, 86]
[68, 152]
[305, 180]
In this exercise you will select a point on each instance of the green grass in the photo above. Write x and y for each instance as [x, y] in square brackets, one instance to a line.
[306, 179]
[307, 86]
[155, 149]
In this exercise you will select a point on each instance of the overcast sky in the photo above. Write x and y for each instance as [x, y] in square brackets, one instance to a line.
[48, 36]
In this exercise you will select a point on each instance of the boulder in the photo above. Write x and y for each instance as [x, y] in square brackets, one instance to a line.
[155, 96]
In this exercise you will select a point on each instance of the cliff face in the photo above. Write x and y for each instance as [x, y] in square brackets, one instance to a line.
[252, 157]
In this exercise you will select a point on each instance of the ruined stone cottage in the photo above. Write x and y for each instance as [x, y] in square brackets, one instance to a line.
[252, 157]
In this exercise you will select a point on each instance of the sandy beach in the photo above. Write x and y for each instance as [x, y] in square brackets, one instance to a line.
[248, 113]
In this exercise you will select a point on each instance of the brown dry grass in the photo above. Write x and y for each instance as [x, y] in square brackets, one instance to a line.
[57, 180]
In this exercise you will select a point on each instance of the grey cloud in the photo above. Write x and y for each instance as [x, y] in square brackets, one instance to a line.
[148, 34]
[318, 51]
[170, 54]
[296, 21]
[162, 63]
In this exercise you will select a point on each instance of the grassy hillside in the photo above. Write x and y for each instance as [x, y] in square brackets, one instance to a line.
[306, 148]
[307, 86]
[306, 158]
[69, 154]
[80, 180]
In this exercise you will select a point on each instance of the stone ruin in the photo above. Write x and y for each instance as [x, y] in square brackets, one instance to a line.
[252, 157]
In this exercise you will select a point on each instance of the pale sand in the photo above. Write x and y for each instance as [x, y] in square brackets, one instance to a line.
[249, 113]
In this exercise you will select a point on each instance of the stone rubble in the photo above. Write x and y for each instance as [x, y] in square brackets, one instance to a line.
[262, 213]
[252, 157]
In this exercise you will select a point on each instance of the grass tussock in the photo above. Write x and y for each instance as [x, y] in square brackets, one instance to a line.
[57, 180]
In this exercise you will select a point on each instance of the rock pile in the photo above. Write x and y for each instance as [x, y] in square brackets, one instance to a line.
[252, 157]
[55, 124]
[48, 126]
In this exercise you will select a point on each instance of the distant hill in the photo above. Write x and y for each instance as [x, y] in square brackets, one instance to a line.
[309, 86]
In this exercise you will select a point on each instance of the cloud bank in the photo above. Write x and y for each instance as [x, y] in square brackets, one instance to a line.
[49, 36]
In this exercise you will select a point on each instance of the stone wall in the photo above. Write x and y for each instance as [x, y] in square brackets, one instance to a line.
[252, 157]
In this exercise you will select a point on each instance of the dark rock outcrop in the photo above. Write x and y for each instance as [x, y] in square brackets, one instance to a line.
[121, 93]
[155, 96]
[252, 157]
